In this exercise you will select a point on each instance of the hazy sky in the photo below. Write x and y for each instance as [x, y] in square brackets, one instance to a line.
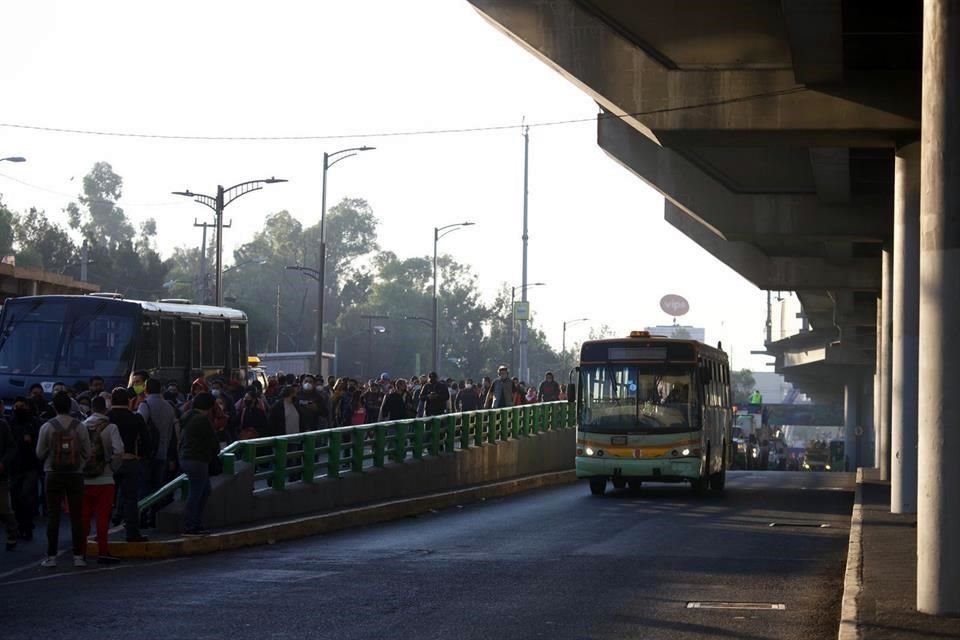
[285, 68]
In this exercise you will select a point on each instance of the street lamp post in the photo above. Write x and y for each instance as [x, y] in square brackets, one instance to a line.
[565, 324]
[218, 203]
[439, 232]
[513, 319]
[329, 159]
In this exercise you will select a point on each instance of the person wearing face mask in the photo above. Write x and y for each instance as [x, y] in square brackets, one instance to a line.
[138, 389]
[501, 391]
[25, 468]
[314, 408]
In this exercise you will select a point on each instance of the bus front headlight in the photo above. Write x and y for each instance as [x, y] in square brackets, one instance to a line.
[588, 451]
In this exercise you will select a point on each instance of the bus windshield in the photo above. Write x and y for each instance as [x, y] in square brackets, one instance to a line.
[57, 337]
[628, 399]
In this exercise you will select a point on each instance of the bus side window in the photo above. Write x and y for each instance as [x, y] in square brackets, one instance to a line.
[195, 349]
[206, 345]
[167, 337]
[149, 347]
[219, 332]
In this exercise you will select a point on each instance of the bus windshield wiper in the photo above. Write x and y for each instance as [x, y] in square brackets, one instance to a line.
[7, 330]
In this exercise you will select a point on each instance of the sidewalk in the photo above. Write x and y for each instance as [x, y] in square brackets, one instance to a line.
[886, 606]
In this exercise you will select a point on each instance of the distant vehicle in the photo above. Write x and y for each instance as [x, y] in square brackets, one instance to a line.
[256, 373]
[652, 409]
[817, 459]
[70, 338]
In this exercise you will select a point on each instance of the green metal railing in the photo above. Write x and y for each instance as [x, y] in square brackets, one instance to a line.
[304, 457]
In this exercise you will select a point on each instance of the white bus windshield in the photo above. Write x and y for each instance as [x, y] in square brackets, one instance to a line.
[628, 399]
[57, 338]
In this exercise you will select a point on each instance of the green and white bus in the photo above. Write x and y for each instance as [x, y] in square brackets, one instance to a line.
[654, 409]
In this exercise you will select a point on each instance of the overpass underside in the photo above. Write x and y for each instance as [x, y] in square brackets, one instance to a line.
[785, 138]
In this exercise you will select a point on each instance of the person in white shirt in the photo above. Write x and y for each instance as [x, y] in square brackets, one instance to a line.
[98, 488]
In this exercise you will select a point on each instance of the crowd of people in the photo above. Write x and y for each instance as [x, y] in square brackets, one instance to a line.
[98, 451]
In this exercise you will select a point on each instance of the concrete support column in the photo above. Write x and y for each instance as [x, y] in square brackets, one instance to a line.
[885, 362]
[851, 422]
[866, 452]
[938, 517]
[906, 326]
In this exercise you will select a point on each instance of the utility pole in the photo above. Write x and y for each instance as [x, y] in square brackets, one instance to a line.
[204, 276]
[276, 349]
[84, 260]
[524, 372]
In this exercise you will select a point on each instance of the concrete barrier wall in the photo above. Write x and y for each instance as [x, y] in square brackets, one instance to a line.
[233, 500]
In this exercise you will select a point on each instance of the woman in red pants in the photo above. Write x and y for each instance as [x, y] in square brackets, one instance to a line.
[106, 446]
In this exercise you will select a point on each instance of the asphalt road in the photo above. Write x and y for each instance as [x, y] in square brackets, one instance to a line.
[556, 563]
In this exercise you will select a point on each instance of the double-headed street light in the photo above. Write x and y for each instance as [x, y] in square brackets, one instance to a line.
[329, 159]
[513, 321]
[218, 203]
[439, 232]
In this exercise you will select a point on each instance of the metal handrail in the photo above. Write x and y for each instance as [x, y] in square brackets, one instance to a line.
[333, 449]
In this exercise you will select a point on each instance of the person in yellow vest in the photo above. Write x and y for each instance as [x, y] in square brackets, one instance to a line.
[756, 398]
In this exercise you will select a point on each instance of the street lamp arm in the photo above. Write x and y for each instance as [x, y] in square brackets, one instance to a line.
[349, 155]
[202, 198]
[448, 232]
[313, 273]
[237, 190]
[457, 224]
[351, 151]
[425, 321]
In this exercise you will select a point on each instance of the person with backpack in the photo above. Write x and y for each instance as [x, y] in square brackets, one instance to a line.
[136, 447]
[64, 447]
[106, 450]
[161, 419]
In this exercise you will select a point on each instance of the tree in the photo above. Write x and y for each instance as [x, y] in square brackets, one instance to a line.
[7, 221]
[120, 259]
[743, 383]
[41, 243]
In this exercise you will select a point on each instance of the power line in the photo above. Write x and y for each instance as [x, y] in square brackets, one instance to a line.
[401, 133]
[97, 201]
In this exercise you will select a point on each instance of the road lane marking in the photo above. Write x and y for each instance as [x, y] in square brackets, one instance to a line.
[739, 606]
[84, 572]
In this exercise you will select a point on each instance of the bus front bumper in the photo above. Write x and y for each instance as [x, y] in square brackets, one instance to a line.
[654, 469]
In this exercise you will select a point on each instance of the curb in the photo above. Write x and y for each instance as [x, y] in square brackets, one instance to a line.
[330, 522]
[853, 578]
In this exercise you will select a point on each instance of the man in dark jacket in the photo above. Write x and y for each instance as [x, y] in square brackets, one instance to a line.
[133, 432]
[393, 407]
[467, 399]
[286, 416]
[198, 447]
[25, 471]
[434, 396]
[8, 453]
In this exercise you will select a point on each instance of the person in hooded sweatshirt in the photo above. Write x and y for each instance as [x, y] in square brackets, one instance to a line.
[98, 484]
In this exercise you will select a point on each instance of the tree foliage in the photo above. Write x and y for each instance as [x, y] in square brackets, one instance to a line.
[743, 384]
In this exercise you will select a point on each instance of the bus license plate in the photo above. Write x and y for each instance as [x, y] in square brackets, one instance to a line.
[618, 440]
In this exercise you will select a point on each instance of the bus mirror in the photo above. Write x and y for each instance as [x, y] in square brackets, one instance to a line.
[571, 392]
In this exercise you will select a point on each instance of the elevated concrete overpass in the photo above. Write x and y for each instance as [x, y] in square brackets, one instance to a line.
[785, 137]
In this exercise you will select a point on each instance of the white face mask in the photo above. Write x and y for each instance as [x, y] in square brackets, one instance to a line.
[468, 386]
[307, 387]
[215, 393]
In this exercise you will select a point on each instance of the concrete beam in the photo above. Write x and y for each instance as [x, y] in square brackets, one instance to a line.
[831, 174]
[731, 215]
[656, 100]
[815, 33]
[776, 273]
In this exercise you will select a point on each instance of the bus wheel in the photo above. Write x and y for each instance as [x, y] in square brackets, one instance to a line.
[635, 485]
[598, 486]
